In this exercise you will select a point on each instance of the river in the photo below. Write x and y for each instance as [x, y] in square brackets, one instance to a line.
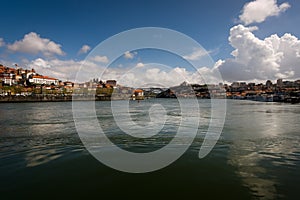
[256, 157]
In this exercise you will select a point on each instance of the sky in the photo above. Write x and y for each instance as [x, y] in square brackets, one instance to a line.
[246, 40]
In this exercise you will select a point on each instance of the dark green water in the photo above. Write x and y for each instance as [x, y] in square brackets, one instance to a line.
[257, 156]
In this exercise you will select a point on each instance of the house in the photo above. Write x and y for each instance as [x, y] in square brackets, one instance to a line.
[112, 83]
[6, 79]
[68, 84]
[138, 94]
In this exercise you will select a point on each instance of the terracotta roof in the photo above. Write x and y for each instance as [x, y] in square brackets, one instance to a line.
[44, 77]
[138, 90]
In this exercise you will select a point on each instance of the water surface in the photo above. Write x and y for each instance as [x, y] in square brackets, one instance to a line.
[257, 156]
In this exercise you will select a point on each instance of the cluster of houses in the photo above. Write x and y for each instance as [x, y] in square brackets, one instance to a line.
[19, 76]
[281, 91]
[27, 83]
[18, 81]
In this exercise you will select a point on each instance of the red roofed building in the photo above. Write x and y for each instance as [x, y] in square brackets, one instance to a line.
[112, 83]
[37, 79]
[138, 94]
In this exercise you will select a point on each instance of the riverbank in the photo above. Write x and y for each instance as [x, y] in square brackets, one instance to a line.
[66, 98]
[51, 98]
[269, 98]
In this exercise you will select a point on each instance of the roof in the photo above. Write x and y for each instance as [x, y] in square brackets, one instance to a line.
[44, 77]
[138, 90]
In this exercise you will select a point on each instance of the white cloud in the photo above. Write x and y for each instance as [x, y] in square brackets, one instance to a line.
[140, 64]
[142, 75]
[257, 11]
[101, 59]
[253, 58]
[67, 69]
[2, 43]
[154, 74]
[39, 62]
[129, 55]
[84, 49]
[196, 55]
[151, 75]
[32, 43]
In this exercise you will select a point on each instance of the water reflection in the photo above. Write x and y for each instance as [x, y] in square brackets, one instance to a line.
[246, 160]
[35, 133]
[260, 141]
[262, 148]
[35, 158]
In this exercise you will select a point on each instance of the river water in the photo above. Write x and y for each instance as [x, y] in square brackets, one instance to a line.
[256, 157]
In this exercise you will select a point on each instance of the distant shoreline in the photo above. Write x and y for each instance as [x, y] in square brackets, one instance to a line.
[68, 98]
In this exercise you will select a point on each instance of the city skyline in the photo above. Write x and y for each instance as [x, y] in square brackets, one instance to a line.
[55, 41]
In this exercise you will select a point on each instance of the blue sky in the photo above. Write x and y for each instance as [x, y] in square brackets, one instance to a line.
[73, 23]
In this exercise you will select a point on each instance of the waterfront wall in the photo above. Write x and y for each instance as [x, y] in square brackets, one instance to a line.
[52, 98]
[61, 98]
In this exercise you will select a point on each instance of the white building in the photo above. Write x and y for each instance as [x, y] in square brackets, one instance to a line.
[43, 80]
[8, 79]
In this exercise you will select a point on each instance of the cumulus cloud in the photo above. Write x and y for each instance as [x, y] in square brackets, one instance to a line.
[257, 11]
[84, 49]
[32, 43]
[129, 55]
[140, 64]
[154, 74]
[78, 71]
[151, 75]
[39, 62]
[101, 59]
[140, 75]
[2, 43]
[196, 55]
[253, 58]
